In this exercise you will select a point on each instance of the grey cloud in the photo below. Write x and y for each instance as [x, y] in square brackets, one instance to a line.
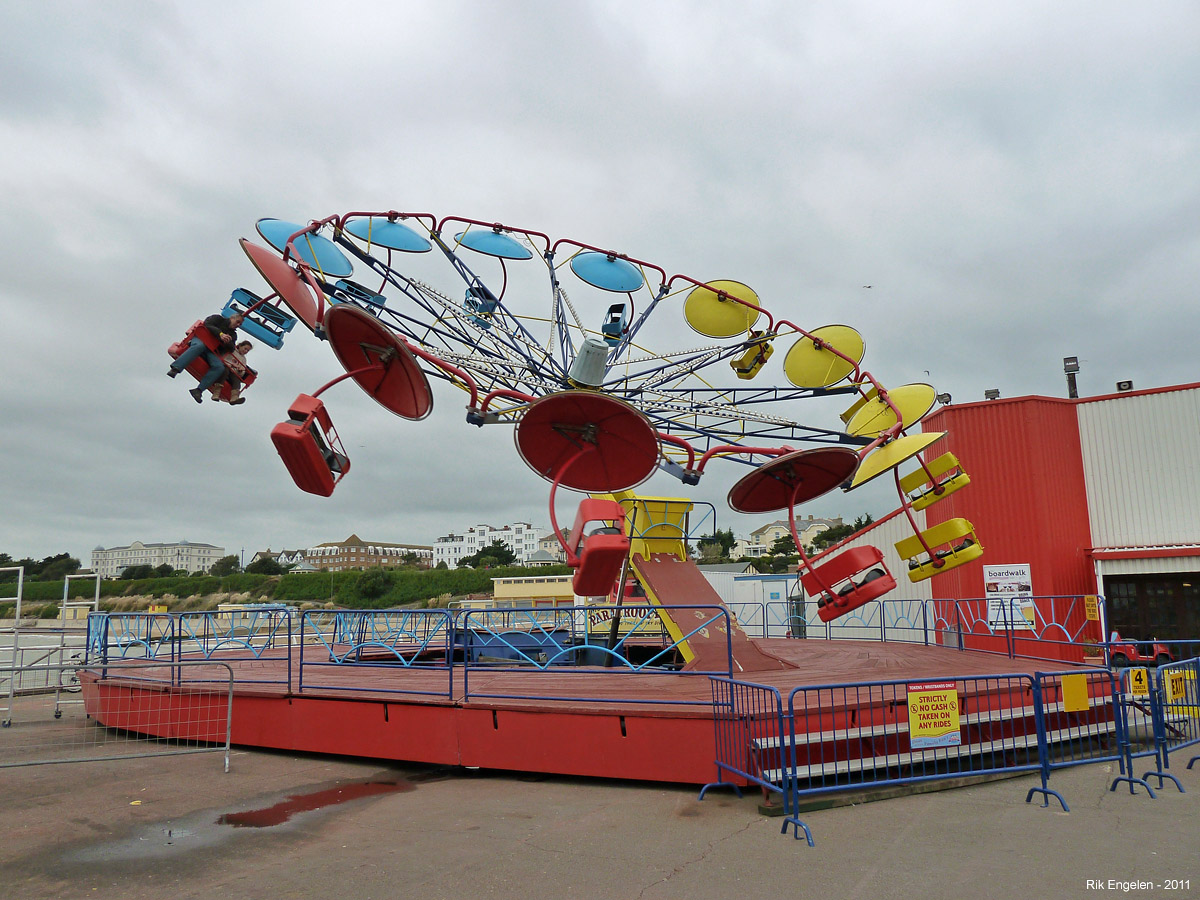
[1017, 184]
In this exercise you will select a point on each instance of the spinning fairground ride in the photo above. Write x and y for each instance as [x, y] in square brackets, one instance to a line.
[595, 405]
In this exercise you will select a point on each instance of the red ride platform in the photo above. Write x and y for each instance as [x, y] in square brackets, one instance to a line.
[657, 727]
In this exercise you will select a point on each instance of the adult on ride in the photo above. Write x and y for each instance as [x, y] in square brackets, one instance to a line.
[225, 331]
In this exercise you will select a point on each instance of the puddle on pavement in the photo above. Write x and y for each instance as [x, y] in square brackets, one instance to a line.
[284, 810]
[167, 839]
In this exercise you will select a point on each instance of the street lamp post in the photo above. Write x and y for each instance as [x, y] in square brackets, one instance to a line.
[1070, 367]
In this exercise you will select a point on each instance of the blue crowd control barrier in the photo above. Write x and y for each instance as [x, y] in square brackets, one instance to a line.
[1158, 750]
[1179, 687]
[751, 742]
[849, 736]
[843, 737]
[1174, 701]
[1139, 721]
[1080, 721]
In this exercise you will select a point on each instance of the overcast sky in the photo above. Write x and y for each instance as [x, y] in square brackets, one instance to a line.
[1017, 182]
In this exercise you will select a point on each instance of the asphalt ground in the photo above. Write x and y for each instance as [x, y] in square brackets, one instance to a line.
[287, 826]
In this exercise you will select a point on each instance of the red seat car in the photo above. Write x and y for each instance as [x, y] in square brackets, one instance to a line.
[1122, 652]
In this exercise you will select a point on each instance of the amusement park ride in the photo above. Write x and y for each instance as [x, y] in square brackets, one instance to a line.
[595, 408]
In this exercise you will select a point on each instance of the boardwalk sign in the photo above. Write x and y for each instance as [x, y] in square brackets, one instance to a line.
[933, 715]
[1009, 593]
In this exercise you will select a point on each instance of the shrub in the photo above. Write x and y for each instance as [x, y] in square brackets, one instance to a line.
[372, 584]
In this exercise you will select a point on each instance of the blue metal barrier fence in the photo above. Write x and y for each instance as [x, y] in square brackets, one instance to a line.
[844, 737]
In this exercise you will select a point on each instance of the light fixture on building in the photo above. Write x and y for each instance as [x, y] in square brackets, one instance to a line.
[991, 394]
[1070, 367]
[943, 399]
[1124, 386]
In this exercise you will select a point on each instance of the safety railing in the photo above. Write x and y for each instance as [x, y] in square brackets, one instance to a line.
[413, 651]
[897, 732]
[131, 636]
[240, 635]
[1053, 627]
[876, 620]
[168, 639]
[1049, 627]
[568, 645]
[1148, 730]
[338, 648]
[773, 619]
[236, 634]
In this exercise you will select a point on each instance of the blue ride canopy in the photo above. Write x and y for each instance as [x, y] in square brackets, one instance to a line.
[493, 243]
[389, 234]
[607, 272]
[315, 251]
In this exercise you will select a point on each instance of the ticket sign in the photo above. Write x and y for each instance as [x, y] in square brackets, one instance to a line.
[933, 715]
[1139, 682]
[1091, 607]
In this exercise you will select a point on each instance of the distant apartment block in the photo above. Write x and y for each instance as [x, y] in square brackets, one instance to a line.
[184, 556]
[355, 553]
[520, 537]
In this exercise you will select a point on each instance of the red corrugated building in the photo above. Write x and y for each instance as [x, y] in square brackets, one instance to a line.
[1097, 495]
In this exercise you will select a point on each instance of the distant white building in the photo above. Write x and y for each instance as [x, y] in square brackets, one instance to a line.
[285, 558]
[549, 545]
[762, 539]
[184, 556]
[520, 537]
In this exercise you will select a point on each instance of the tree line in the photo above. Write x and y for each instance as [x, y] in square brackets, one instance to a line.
[52, 568]
[59, 566]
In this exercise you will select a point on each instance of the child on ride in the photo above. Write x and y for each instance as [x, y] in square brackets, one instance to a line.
[235, 373]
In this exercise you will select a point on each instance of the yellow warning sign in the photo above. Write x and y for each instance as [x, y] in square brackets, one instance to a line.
[1139, 682]
[1091, 607]
[1176, 684]
[933, 715]
[1075, 692]
[1181, 693]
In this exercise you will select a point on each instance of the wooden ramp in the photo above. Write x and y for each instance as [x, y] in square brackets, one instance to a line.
[671, 581]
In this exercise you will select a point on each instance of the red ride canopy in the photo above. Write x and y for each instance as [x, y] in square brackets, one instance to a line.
[621, 446]
[380, 361]
[773, 485]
